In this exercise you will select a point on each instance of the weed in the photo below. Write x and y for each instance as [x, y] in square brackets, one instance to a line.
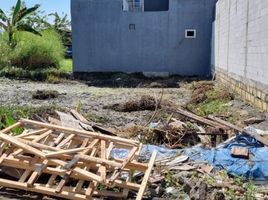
[79, 106]
[97, 118]
[45, 94]
[209, 107]
[49, 75]
[51, 78]
[66, 66]
[251, 191]
[210, 180]
[208, 99]
[170, 180]
[239, 180]
[10, 114]
[230, 195]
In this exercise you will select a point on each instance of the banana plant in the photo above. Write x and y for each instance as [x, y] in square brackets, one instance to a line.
[15, 21]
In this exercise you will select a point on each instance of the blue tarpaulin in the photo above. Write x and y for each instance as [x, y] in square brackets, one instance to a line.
[255, 168]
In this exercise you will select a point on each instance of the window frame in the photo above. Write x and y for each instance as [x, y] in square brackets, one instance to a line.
[190, 37]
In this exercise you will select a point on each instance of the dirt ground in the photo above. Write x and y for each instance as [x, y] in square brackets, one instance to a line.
[91, 100]
[94, 103]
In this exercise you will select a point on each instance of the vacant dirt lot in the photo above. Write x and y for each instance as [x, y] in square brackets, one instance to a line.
[96, 103]
[91, 100]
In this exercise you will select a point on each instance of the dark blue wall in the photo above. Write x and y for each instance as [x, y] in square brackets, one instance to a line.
[102, 40]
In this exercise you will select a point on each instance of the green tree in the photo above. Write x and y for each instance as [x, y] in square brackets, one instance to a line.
[16, 21]
[60, 23]
[63, 26]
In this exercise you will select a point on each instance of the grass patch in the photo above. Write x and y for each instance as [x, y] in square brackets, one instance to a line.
[212, 100]
[10, 114]
[208, 108]
[37, 58]
[66, 66]
[50, 75]
[97, 118]
[45, 94]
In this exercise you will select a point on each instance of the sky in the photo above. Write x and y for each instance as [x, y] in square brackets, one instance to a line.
[49, 6]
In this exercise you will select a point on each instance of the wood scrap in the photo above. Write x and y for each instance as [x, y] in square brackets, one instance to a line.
[240, 152]
[201, 119]
[241, 130]
[73, 155]
[93, 125]
[253, 120]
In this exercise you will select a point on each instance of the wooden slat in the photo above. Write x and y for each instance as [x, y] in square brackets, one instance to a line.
[146, 176]
[68, 151]
[200, 119]
[27, 172]
[241, 130]
[38, 171]
[37, 139]
[103, 156]
[123, 165]
[37, 132]
[21, 145]
[16, 125]
[66, 140]
[79, 132]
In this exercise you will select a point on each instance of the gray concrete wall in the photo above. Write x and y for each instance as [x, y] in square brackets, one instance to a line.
[102, 40]
[241, 46]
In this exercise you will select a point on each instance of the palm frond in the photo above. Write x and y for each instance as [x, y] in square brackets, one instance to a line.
[27, 11]
[16, 11]
[27, 28]
[3, 16]
[2, 25]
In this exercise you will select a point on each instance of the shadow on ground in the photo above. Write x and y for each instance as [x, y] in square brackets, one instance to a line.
[131, 80]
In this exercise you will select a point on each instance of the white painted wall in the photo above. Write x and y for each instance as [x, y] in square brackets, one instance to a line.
[241, 38]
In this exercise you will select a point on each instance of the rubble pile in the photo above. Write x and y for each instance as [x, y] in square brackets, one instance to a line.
[187, 157]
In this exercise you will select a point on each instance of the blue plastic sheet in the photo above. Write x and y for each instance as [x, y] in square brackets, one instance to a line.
[255, 168]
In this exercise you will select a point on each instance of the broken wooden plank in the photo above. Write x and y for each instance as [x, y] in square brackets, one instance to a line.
[93, 125]
[253, 120]
[103, 156]
[241, 130]
[37, 132]
[68, 151]
[123, 165]
[146, 176]
[39, 168]
[21, 145]
[79, 132]
[200, 119]
[66, 140]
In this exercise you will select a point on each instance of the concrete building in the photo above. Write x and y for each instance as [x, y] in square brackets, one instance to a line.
[241, 48]
[171, 36]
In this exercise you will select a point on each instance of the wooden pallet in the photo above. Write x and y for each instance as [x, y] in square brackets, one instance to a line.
[70, 163]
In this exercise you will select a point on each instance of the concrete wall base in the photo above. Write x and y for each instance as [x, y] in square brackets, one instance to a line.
[250, 91]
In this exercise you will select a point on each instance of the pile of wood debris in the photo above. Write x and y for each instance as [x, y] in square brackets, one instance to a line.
[70, 162]
[73, 158]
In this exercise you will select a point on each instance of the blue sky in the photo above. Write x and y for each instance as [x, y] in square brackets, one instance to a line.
[49, 6]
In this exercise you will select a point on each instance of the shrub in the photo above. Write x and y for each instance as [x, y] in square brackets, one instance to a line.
[50, 75]
[5, 51]
[35, 52]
